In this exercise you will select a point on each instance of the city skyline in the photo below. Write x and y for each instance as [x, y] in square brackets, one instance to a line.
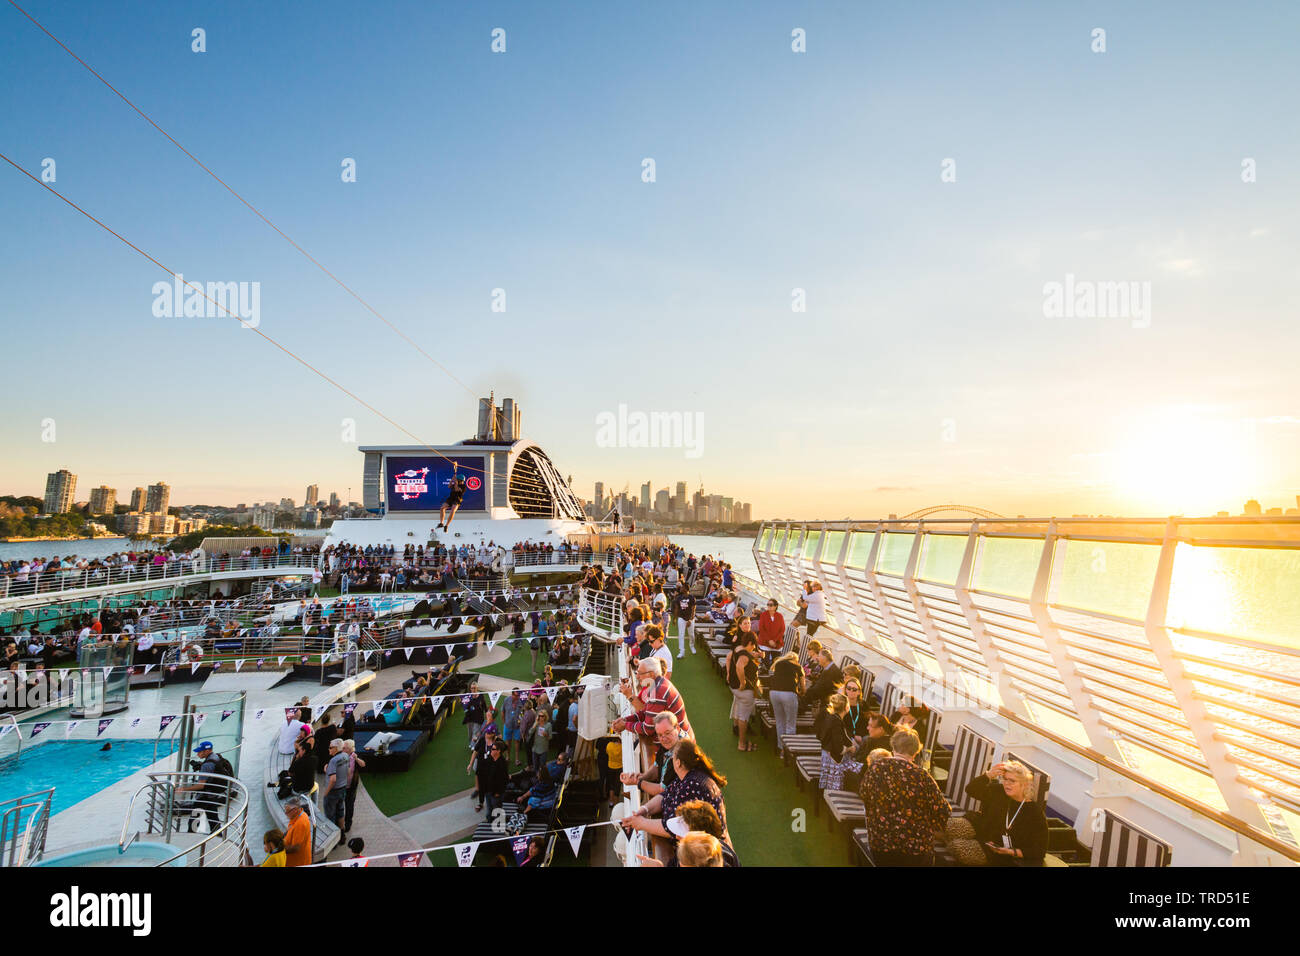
[847, 379]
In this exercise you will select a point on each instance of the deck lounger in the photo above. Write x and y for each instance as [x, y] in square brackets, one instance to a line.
[1121, 843]
[971, 755]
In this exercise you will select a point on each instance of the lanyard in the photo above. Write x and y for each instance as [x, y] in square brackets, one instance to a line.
[1012, 819]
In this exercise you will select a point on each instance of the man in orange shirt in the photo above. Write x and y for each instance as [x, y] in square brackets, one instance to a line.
[297, 839]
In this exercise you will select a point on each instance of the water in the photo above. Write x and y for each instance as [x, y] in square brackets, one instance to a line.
[75, 768]
[82, 548]
[738, 552]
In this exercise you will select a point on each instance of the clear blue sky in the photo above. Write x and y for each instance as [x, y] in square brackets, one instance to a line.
[923, 370]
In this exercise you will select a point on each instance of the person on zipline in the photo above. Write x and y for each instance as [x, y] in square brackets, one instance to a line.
[454, 495]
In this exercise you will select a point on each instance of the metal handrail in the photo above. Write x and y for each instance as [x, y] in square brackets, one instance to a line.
[159, 817]
[177, 569]
[11, 823]
[32, 845]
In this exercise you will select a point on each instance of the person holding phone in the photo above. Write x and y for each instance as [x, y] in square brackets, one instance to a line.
[1010, 823]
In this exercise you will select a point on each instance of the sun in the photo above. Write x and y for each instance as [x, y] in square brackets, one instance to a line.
[1184, 460]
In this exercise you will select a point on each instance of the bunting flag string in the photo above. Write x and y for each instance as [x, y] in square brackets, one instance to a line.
[376, 704]
[465, 852]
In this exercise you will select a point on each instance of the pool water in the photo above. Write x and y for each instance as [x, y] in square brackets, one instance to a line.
[75, 768]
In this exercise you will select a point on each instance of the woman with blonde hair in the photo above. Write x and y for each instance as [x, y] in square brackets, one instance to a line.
[699, 849]
[1010, 824]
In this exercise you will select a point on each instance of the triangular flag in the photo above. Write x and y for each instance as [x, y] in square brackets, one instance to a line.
[194, 666]
[369, 654]
[279, 661]
[107, 671]
[164, 721]
[38, 727]
[6, 729]
[238, 664]
[67, 728]
[148, 667]
[465, 852]
[135, 722]
[379, 707]
[258, 715]
[388, 654]
[226, 713]
[550, 693]
[199, 719]
[408, 652]
[349, 708]
[436, 702]
[103, 725]
[575, 837]
[494, 696]
[356, 862]
[171, 669]
[409, 859]
[520, 847]
[260, 662]
[304, 658]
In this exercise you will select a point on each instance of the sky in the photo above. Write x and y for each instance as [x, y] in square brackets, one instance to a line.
[922, 172]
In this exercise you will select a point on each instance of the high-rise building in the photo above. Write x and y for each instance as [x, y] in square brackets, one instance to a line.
[598, 502]
[663, 501]
[60, 486]
[286, 504]
[137, 500]
[645, 496]
[103, 500]
[159, 495]
[313, 496]
[334, 501]
[1252, 509]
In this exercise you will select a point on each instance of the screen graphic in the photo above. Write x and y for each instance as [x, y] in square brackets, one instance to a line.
[421, 483]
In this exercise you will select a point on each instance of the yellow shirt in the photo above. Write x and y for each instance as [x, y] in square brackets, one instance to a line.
[274, 859]
[614, 753]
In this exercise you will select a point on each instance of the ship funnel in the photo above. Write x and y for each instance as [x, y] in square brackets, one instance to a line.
[498, 423]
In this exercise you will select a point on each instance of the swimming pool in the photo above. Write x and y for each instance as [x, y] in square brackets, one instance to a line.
[75, 768]
[138, 854]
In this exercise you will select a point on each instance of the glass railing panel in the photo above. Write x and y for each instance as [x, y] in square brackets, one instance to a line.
[831, 550]
[1007, 565]
[810, 542]
[894, 552]
[765, 538]
[792, 541]
[859, 549]
[1106, 576]
[941, 556]
[1242, 592]
[778, 541]
[1198, 786]
[1049, 718]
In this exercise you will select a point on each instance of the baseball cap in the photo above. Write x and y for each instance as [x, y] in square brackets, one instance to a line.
[206, 745]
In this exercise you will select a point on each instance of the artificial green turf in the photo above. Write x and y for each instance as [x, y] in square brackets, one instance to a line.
[438, 772]
[761, 796]
[514, 667]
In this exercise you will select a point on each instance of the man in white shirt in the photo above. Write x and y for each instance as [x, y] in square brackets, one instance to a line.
[315, 580]
[659, 649]
[290, 731]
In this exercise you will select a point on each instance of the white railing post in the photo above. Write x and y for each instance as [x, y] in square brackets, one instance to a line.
[1011, 698]
[1234, 790]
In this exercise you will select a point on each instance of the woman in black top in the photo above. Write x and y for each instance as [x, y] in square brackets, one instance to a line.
[303, 767]
[838, 748]
[786, 682]
[742, 678]
[1010, 823]
[856, 713]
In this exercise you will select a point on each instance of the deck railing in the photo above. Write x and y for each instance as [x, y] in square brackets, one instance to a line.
[1166, 650]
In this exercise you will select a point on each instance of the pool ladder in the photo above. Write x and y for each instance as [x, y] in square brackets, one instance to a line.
[23, 842]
